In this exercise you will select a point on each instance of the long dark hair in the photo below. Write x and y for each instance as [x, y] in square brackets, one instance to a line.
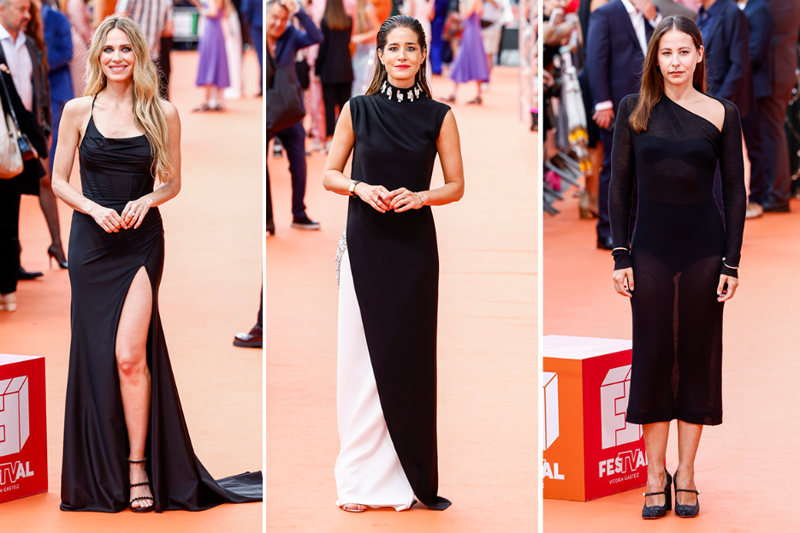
[652, 78]
[400, 21]
[335, 16]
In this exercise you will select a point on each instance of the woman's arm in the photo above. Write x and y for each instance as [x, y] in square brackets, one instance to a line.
[734, 201]
[620, 188]
[374, 23]
[72, 121]
[333, 178]
[449, 147]
[135, 211]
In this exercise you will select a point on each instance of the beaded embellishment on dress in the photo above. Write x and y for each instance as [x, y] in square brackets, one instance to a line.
[339, 253]
[401, 95]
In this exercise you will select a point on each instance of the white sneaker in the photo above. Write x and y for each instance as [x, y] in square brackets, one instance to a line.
[8, 302]
[316, 146]
[754, 210]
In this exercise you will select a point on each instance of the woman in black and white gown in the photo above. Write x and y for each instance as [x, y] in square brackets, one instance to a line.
[389, 274]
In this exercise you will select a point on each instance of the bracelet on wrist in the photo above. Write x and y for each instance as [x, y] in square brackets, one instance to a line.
[421, 199]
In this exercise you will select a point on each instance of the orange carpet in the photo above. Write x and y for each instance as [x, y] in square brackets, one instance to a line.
[745, 468]
[209, 292]
[487, 339]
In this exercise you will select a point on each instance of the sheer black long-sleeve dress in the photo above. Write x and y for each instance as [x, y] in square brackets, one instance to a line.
[680, 246]
[94, 475]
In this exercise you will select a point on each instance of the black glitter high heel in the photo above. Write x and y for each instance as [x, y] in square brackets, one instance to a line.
[657, 511]
[685, 511]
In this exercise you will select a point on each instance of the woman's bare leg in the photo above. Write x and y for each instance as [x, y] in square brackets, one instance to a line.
[134, 375]
[47, 201]
[655, 442]
[688, 441]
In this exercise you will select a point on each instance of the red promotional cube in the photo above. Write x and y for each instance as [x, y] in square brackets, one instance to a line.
[590, 450]
[23, 427]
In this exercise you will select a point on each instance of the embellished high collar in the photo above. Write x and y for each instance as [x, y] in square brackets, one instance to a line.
[410, 94]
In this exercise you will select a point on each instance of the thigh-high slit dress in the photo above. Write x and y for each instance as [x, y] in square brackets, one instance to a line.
[680, 246]
[102, 266]
[389, 283]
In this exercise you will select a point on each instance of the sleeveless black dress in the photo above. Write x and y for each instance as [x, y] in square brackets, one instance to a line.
[395, 267]
[102, 266]
[680, 247]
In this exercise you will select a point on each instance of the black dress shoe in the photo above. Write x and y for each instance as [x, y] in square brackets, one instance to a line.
[605, 243]
[253, 339]
[769, 207]
[24, 275]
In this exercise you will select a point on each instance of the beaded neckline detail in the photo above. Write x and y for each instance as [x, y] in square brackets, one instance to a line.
[410, 94]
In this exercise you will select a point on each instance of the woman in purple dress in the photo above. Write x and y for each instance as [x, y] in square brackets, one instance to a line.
[212, 69]
[470, 62]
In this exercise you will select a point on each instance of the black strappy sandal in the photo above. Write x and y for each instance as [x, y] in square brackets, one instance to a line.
[657, 511]
[686, 511]
[142, 509]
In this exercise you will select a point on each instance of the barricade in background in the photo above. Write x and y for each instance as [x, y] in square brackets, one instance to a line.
[23, 427]
[590, 450]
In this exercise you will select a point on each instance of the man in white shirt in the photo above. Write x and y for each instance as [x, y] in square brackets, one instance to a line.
[26, 84]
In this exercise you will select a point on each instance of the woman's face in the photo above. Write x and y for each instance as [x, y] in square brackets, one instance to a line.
[117, 57]
[678, 57]
[402, 56]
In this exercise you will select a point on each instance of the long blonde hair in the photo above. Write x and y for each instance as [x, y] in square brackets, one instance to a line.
[147, 113]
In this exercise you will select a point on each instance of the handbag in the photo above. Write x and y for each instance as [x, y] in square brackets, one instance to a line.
[25, 147]
[284, 106]
[10, 159]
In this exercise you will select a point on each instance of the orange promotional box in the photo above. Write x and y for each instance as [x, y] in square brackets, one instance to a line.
[590, 451]
[23, 427]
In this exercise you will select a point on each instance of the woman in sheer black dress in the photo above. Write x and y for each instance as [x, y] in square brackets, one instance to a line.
[126, 443]
[669, 139]
[389, 274]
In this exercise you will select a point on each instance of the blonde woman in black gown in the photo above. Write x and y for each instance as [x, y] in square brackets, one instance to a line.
[389, 273]
[125, 439]
[683, 256]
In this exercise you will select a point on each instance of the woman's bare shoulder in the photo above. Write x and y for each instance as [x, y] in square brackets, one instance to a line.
[714, 110]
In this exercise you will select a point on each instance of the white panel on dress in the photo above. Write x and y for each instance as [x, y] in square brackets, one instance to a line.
[367, 471]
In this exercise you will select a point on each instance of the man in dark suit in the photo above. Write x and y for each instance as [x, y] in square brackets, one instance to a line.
[726, 38]
[783, 62]
[760, 22]
[615, 50]
[22, 74]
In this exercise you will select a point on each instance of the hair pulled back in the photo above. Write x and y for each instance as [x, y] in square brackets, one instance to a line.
[392, 23]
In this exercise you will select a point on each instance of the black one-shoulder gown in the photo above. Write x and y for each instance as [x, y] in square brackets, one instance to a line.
[101, 268]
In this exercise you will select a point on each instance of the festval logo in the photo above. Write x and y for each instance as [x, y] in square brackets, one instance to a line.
[614, 393]
[551, 426]
[14, 415]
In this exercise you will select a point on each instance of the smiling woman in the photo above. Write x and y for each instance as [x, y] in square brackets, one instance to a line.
[386, 387]
[126, 443]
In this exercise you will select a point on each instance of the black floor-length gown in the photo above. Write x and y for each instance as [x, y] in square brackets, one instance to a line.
[680, 247]
[102, 266]
[395, 269]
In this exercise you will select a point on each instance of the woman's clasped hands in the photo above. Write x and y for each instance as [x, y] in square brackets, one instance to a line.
[382, 200]
[131, 217]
